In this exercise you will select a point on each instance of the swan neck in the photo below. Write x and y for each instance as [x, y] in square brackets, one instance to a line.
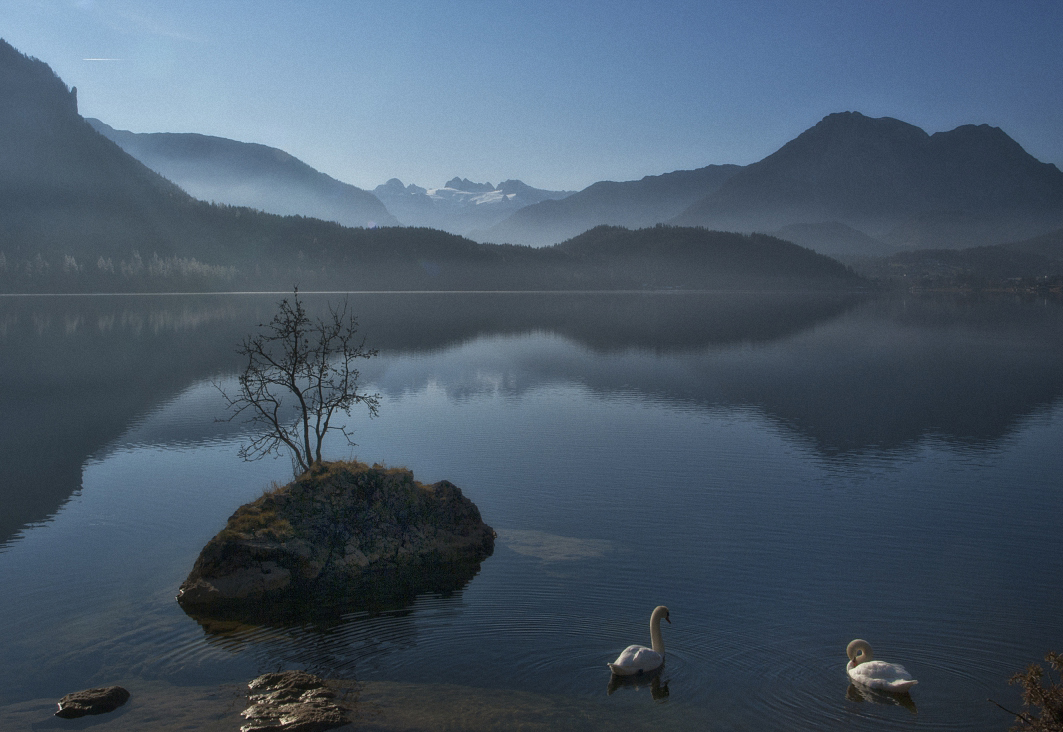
[656, 641]
[859, 651]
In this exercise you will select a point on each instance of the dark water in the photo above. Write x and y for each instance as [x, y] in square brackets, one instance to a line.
[785, 473]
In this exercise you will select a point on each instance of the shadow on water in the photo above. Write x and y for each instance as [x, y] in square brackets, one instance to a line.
[658, 689]
[846, 374]
[861, 695]
[327, 608]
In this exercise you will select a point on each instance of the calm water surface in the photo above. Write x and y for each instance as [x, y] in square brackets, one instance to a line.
[785, 474]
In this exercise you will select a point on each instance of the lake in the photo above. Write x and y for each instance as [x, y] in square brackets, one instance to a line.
[784, 472]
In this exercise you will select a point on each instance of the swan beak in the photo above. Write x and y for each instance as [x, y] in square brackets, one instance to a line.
[668, 619]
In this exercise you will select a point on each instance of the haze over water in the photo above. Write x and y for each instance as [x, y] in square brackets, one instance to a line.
[786, 473]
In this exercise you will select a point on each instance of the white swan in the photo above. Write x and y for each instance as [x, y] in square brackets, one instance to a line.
[640, 659]
[865, 670]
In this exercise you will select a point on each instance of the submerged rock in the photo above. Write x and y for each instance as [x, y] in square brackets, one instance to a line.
[292, 701]
[351, 532]
[92, 701]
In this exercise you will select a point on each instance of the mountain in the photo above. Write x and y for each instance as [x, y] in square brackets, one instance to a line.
[460, 206]
[894, 182]
[64, 189]
[79, 214]
[247, 174]
[633, 204]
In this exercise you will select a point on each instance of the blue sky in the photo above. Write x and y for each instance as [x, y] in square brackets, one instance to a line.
[558, 94]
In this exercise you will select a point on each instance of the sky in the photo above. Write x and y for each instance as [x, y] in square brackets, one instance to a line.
[557, 94]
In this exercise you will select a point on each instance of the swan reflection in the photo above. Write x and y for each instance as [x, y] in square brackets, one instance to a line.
[856, 693]
[658, 689]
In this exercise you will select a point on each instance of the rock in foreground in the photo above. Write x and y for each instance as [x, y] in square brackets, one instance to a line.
[292, 701]
[92, 701]
[350, 531]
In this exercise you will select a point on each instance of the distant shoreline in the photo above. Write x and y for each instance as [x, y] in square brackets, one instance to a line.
[665, 291]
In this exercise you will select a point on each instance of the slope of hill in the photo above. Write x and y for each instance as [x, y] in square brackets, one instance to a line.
[835, 239]
[894, 182]
[633, 204]
[1036, 262]
[1048, 245]
[251, 175]
[460, 206]
[694, 258]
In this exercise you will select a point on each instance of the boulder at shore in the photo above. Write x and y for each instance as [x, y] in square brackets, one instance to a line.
[92, 701]
[347, 531]
[293, 701]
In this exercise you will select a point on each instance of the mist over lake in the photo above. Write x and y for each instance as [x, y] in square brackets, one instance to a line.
[786, 472]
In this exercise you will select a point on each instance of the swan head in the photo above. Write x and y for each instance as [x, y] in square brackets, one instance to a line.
[660, 613]
[859, 651]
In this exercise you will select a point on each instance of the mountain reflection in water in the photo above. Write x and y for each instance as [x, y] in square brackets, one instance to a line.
[848, 374]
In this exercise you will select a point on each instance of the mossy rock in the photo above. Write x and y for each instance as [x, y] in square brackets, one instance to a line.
[348, 532]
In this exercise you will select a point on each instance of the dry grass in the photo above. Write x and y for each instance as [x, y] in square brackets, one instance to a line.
[1042, 696]
[257, 520]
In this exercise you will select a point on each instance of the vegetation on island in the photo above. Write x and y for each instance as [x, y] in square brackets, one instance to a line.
[344, 535]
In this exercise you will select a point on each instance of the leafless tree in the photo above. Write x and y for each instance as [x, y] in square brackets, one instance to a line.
[307, 366]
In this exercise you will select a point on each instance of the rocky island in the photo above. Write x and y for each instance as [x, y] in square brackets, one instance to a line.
[346, 532]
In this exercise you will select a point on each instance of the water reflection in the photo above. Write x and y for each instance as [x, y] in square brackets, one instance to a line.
[845, 375]
[658, 689]
[336, 648]
[321, 612]
[860, 694]
[748, 460]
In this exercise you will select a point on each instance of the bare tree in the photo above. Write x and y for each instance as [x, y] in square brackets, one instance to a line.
[301, 365]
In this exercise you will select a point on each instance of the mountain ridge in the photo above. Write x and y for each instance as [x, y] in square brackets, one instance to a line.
[460, 206]
[249, 174]
[648, 201]
[893, 181]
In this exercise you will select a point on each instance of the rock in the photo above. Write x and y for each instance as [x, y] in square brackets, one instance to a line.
[350, 531]
[92, 701]
[292, 701]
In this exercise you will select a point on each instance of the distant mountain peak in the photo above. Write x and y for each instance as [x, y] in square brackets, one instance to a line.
[514, 186]
[464, 184]
[891, 180]
[982, 138]
[395, 187]
[851, 129]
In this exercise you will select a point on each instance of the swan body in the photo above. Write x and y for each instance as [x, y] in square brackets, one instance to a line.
[637, 659]
[863, 669]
